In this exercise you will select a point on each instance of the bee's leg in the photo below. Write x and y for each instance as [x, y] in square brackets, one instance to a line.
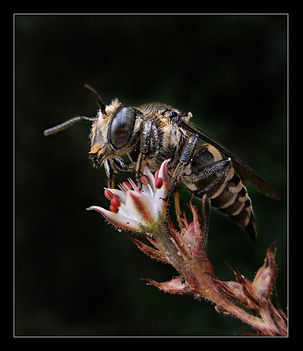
[227, 193]
[211, 178]
[109, 171]
[185, 158]
[207, 170]
[206, 205]
[144, 149]
[121, 164]
[138, 170]
[211, 175]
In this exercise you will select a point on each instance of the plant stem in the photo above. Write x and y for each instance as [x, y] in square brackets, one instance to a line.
[205, 287]
[198, 273]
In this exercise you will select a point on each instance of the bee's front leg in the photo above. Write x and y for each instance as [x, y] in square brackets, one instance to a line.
[122, 165]
[110, 172]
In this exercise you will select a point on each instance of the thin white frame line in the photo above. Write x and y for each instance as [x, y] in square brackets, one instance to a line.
[287, 164]
[150, 14]
[14, 187]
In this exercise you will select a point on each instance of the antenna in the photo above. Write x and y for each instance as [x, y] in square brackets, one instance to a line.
[99, 100]
[67, 124]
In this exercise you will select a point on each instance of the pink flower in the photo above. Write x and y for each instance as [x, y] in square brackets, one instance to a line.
[138, 210]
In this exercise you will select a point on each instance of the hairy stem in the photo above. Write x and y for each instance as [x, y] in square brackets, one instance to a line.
[161, 234]
[198, 273]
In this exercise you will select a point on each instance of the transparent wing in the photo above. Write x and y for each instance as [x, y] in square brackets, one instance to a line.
[242, 168]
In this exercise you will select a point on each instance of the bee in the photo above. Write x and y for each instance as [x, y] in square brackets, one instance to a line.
[151, 133]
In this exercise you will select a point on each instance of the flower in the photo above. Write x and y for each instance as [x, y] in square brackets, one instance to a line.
[144, 211]
[138, 210]
[185, 251]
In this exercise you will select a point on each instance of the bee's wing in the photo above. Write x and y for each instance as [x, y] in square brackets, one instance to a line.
[245, 171]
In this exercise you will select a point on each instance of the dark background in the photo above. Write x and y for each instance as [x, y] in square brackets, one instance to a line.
[76, 275]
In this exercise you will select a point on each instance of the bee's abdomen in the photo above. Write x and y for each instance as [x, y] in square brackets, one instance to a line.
[234, 201]
[216, 177]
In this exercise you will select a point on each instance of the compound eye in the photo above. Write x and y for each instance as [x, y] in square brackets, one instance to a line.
[122, 126]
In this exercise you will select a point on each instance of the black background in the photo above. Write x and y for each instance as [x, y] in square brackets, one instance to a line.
[76, 275]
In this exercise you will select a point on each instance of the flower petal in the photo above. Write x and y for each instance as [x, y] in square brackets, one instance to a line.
[150, 176]
[149, 188]
[142, 206]
[161, 194]
[118, 219]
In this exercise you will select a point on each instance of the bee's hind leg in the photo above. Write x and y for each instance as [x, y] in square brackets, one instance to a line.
[215, 175]
[223, 186]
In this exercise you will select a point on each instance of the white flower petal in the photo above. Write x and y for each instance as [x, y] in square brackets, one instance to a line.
[118, 219]
[151, 178]
[147, 189]
[161, 194]
[140, 210]
[142, 207]
[127, 211]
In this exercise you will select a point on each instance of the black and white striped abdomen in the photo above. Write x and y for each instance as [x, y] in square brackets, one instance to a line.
[210, 173]
[234, 201]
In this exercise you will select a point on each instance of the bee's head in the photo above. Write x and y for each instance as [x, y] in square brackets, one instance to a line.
[114, 131]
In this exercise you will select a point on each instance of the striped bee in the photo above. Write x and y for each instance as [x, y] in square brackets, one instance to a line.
[151, 133]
